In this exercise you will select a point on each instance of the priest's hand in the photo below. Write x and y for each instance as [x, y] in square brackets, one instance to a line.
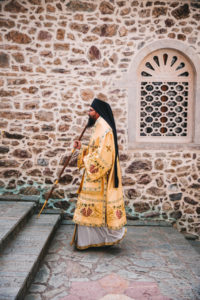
[77, 144]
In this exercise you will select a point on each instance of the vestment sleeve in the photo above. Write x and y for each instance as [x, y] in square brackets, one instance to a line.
[101, 158]
[82, 153]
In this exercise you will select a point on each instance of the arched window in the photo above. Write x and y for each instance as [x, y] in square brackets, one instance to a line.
[163, 87]
[165, 98]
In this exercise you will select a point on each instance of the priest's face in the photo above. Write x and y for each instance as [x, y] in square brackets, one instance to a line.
[93, 116]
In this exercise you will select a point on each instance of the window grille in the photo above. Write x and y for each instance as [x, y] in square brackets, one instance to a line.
[165, 97]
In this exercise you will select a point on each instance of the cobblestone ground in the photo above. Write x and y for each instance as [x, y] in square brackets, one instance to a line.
[154, 263]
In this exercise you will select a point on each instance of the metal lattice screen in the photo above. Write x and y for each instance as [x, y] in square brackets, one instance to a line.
[165, 96]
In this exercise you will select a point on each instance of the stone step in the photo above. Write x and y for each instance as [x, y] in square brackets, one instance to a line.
[20, 260]
[13, 215]
[25, 198]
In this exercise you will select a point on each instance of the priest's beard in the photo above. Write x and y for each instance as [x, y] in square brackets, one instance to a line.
[91, 122]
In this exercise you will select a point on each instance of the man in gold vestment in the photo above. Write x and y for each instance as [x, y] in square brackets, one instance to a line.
[100, 214]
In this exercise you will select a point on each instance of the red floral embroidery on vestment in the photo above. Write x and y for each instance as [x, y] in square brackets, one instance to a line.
[93, 169]
[86, 212]
[119, 214]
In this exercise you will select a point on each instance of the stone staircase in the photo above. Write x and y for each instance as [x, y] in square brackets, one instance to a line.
[24, 239]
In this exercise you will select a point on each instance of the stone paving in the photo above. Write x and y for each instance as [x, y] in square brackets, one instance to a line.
[154, 263]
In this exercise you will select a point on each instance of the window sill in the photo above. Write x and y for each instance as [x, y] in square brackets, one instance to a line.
[163, 146]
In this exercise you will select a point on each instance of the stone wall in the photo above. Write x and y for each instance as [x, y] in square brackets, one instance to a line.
[55, 57]
[164, 185]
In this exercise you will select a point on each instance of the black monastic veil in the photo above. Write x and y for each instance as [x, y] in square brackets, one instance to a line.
[105, 111]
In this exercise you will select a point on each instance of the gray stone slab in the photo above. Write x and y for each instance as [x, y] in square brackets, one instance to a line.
[146, 222]
[12, 266]
[8, 293]
[22, 250]
[195, 245]
[13, 274]
[19, 260]
[12, 214]
[19, 198]
[8, 282]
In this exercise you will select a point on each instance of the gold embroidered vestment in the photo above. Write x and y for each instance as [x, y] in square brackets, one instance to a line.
[99, 202]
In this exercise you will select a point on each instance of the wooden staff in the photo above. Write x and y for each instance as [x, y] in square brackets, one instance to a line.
[65, 165]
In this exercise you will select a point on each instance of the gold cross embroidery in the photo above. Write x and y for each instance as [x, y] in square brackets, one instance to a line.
[108, 148]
